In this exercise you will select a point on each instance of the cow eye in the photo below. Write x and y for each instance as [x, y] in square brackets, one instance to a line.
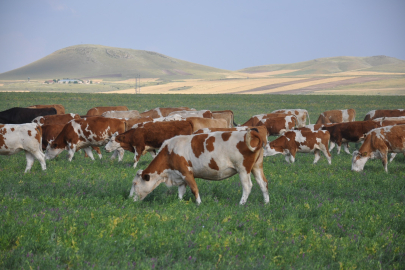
[146, 177]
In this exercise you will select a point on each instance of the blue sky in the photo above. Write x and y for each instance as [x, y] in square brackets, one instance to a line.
[223, 34]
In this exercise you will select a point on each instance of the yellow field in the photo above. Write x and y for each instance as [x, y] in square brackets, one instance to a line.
[371, 91]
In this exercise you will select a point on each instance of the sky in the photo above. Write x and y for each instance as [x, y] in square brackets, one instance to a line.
[223, 34]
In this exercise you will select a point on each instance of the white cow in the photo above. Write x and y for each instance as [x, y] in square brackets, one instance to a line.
[27, 137]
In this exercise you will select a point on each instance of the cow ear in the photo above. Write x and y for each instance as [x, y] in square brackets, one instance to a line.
[364, 154]
[146, 177]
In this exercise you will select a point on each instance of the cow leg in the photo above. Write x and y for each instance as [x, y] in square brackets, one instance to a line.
[182, 191]
[97, 149]
[287, 158]
[30, 161]
[257, 171]
[190, 181]
[88, 151]
[292, 158]
[392, 156]
[332, 145]
[72, 150]
[138, 152]
[41, 158]
[246, 185]
[346, 148]
[327, 154]
[153, 153]
[317, 155]
[384, 157]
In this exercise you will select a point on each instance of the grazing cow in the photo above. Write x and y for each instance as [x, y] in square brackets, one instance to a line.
[278, 125]
[199, 123]
[213, 156]
[295, 141]
[314, 127]
[384, 113]
[58, 107]
[174, 117]
[348, 132]
[27, 137]
[50, 132]
[255, 119]
[57, 119]
[262, 130]
[163, 112]
[336, 116]
[146, 138]
[122, 114]
[377, 144]
[186, 114]
[227, 115]
[301, 115]
[97, 111]
[19, 115]
[82, 133]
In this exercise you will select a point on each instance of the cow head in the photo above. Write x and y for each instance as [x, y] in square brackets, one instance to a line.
[271, 149]
[53, 150]
[113, 143]
[143, 184]
[359, 160]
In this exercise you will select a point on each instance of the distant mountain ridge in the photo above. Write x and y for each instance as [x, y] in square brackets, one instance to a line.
[96, 61]
[332, 65]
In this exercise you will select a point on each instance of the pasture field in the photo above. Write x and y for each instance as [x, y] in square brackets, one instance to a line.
[77, 215]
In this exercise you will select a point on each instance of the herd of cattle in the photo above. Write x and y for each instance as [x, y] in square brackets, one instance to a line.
[198, 144]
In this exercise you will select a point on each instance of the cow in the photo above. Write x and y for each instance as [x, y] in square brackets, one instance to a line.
[337, 116]
[255, 119]
[299, 141]
[19, 115]
[146, 138]
[348, 132]
[377, 144]
[122, 114]
[174, 117]
[57, 119]
[214, 156]
[227, 115]
[384, 113]
[50, 132]
[199, 123]
[277, 125]
[163, 112]
[17, 137]
[97, 111]
[314, 127]
[82, 133]
[301, 115]
[186, 114]
[262, 130]
[58, 107]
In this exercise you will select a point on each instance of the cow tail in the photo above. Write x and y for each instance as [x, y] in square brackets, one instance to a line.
[309, 121]
[249, 138]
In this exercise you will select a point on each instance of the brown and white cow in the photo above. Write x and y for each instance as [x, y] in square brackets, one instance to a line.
[299, 141]
[384, 113]
[17, 137]
[377, 144]
[58, 107]
[122, 114]
[163, 112]
[336, 116]
[146, 138]
[199, 123]
[262, 130]
[278, 125]
[225, 114]
[301, 115]
[214, 156]
[97, 111]
[50, 132]
[314, 127]
[82, 133]
[186, 114]
[348, 132]
[255, 119]
[56, 119]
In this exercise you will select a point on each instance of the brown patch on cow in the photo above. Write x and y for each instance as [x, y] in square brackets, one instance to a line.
[226, 135]
[12, 129]
[213, 165]
[190, 164]
[29, 133]
[210, 144]
[38, 136]
[207, 114]
[249, 157]
[197, 144]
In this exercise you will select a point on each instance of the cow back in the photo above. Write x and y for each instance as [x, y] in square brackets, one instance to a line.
[19, 115]
[101, 110]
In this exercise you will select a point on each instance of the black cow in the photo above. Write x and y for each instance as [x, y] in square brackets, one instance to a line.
[19, 115]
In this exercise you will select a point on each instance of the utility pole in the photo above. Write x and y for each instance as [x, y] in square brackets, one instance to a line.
[137, 83]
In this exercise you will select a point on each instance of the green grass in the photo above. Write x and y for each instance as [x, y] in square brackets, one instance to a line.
[77, 214]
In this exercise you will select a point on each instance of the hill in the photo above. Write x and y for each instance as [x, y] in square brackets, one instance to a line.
[333, 65]
[96, 61]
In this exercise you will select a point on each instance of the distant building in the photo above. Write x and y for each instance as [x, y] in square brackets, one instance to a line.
[70, 81]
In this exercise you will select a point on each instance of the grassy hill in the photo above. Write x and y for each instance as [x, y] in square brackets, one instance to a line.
[332, 65]
[95, 61]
